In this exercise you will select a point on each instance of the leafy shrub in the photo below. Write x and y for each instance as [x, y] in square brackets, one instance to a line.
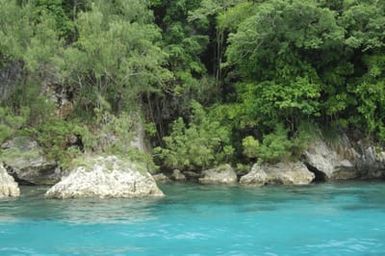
[200, 144]
[250, 147]
[275, 146]
[55, 138]
[10, 122]
[306, 132]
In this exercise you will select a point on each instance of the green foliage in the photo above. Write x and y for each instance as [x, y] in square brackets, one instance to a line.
[306, 132]
[364, 22]
[270, 43]
[268, 102]
[11, 122]
[275, 146]
[185, 40]
[370, 93]
[114, 133]
[231, 18]
[202, 143]
[29, 97]
[116, 56]
[250, 147]
[55, 138]
[55, 10]
[29, 33]
[265, 74]
[307, 59]
[150, 129]
[242, 169]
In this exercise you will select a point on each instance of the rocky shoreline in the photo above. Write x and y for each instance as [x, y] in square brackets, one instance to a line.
[111, 176]
[343, 159]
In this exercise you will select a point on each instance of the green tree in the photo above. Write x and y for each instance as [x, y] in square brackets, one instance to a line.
[116, 56]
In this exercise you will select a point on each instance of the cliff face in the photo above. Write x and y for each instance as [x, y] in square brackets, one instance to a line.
[10, 75]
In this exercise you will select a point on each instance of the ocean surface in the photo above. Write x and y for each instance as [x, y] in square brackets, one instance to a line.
[319, 219]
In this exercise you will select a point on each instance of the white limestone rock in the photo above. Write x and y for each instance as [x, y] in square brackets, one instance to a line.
[106, 177]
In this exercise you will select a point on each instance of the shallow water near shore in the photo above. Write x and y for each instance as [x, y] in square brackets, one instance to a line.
[319, 219]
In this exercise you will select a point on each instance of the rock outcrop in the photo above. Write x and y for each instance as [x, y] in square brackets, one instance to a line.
[139, 138]
[224, 174]
[61, 96]
[10, 75]
[106, 177]
[25, 161]
[178, 175]
[160, 177]
[345, 160]
[281, 173]
[191, 175]
[336, 162]
[371, 164]
[8, 186]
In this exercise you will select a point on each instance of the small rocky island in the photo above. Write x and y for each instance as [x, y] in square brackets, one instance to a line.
[105, 177]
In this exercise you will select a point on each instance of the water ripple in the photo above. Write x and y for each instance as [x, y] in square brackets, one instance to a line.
[327, 219]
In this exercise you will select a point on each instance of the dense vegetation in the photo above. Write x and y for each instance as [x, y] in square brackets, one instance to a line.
[213, 81]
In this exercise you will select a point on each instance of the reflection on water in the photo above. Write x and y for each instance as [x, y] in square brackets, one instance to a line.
[324, 219]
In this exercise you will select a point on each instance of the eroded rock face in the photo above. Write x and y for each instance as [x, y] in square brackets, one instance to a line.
[61, 96]
[8, 186]
[224, 174]
[345, 160]
[336, 162]
[371, 163]
[25, 161]
[281, 173]
[106, 177]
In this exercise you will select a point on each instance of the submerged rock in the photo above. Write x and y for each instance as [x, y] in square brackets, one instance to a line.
[281, 173]
[178, 175]
[224, 174]
[8, 186]
[106, 177]
[25, 161]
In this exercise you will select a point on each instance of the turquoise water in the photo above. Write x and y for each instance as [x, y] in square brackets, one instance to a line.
[324, 219]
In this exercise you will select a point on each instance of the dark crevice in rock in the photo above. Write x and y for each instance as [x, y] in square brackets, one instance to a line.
[14, 175]
[22, 182]
[192, 176]
[319, 176]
